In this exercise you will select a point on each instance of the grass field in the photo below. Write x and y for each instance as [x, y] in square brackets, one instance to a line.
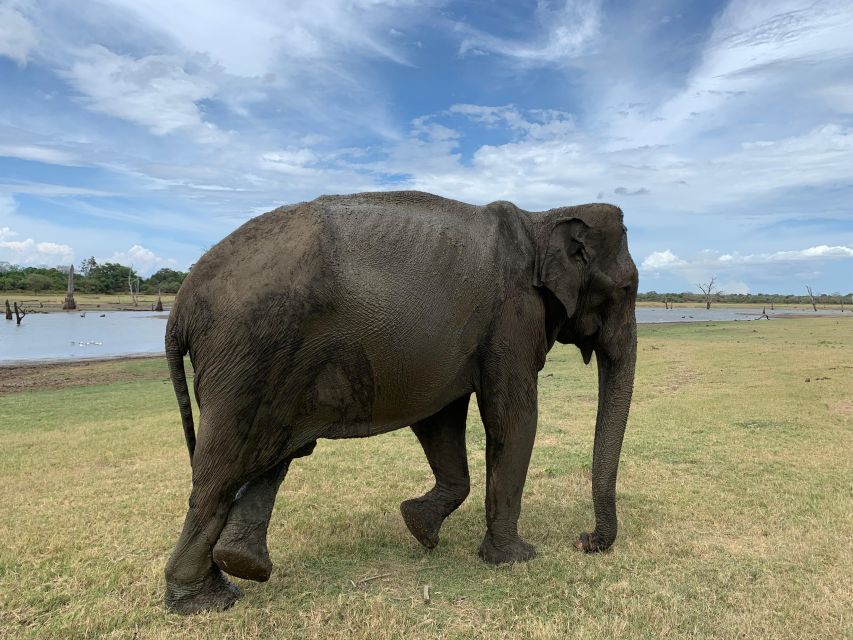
[735, 504]
[50, 302]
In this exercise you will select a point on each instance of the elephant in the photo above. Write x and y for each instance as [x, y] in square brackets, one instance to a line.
[351, 316]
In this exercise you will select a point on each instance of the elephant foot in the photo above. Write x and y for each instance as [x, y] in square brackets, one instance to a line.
[423, 518]
[241, 551]
[215, 593]
[514, 551]
[590, 543]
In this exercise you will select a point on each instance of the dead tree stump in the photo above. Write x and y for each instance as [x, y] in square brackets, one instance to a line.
[20, 312]
[70, 304]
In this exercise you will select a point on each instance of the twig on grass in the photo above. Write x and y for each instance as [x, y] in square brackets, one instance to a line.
[370, 579]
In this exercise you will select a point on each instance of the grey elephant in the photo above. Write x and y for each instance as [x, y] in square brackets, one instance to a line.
[351, 316]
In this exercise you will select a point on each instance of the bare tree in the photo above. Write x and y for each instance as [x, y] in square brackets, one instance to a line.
[20, 312]
[133, 285]
[8, 311]
[159, 305]
[707, 291]
[69, 303]
[811, 295]
[771, 305]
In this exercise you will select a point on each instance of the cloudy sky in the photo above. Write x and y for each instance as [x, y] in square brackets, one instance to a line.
[143, 131]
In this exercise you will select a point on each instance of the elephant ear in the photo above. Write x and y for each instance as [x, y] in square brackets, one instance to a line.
[562, 260]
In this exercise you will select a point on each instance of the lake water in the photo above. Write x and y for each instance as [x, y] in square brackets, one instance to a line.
[68, 336]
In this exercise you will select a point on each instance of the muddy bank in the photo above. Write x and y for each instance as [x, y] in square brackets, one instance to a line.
[40, 376]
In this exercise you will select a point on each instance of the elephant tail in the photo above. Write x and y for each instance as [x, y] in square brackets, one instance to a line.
[175, 351]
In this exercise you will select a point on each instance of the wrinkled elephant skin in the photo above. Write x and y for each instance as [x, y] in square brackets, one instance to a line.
[350, 316]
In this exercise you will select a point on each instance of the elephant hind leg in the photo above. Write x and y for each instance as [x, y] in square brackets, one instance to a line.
[442, 437]
[241, 550]
[220, 467]
[193, 582]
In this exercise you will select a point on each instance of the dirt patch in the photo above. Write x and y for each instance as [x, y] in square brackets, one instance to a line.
[679, 377]
[845, 408]
[38, 377]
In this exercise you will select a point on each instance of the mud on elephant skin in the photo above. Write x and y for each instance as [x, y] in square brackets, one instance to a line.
[350, 316]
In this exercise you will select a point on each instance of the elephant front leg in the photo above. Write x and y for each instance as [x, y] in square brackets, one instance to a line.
[442, 437]
[509, 416]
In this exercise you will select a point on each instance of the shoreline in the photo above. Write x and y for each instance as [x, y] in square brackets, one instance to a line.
[6, 365]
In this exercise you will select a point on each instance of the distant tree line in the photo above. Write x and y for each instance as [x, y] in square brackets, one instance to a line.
[747, 298]
[89, 277]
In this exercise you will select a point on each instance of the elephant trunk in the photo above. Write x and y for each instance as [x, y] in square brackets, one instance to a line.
[615, 387]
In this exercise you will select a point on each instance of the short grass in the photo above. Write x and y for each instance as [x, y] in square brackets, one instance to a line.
[735, 506]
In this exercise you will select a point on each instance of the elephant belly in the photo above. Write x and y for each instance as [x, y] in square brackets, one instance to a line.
[359, 395]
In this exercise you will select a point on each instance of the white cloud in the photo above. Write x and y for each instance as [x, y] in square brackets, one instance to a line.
[666, 260]
[18, 37]
[144, 261]
[662, 260]
[293, 160]
[153, 91]
[46, 155]
[30, 252]
[538, 124]
[568, 31]
[821, 252]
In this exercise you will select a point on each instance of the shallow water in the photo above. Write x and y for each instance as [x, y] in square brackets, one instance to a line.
[651, 315]
[70, 337]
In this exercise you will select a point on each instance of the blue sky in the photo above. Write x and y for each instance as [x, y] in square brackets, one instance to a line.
[143, 131]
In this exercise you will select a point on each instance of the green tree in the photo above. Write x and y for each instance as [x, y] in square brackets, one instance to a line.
[37, 282]
[86, 266]
[166, 280]
[109, 277]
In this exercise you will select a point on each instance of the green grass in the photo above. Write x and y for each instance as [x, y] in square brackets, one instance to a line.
[735, 504]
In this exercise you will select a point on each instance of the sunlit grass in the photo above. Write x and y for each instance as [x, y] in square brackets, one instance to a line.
[735, 508]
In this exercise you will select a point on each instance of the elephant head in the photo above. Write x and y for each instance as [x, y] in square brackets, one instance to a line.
[589, 282]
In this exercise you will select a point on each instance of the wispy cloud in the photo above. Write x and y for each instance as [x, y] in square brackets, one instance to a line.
[563, 33]
[756, 50]
[18, 37]
[38, 153]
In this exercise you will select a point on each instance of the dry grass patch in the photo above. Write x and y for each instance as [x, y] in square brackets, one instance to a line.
[735, 509]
